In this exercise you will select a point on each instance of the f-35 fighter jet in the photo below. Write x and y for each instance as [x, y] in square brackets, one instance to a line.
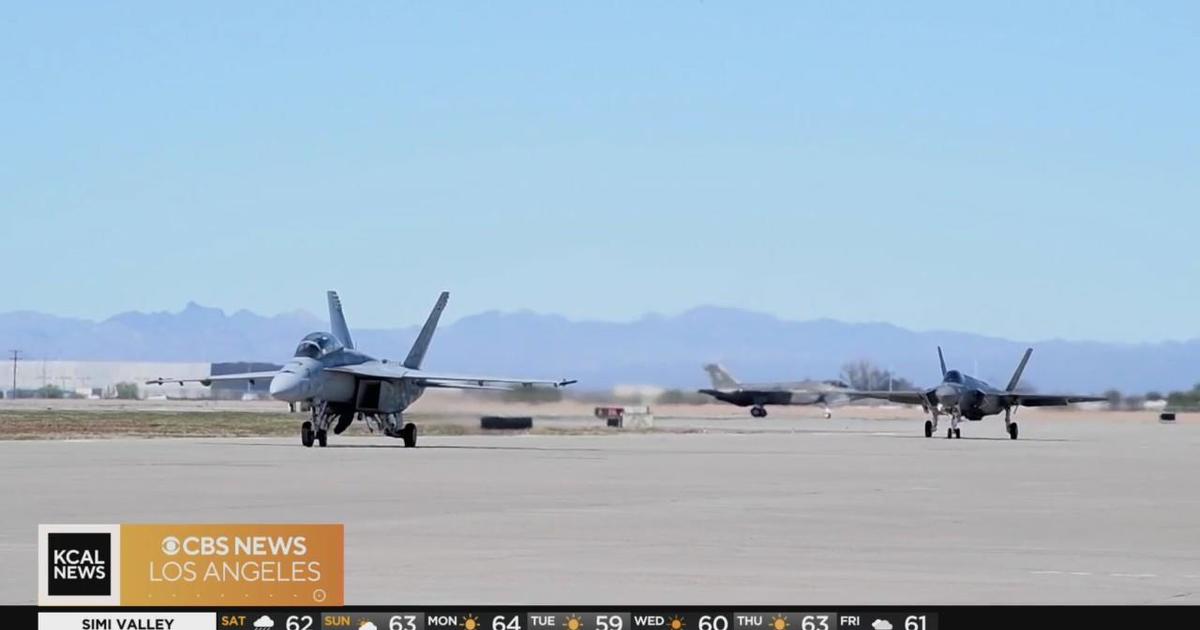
[962, 396]
[757, 396]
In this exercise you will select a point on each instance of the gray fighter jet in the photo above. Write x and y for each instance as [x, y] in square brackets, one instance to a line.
[725, 388]
[340, 383]
[962, 396]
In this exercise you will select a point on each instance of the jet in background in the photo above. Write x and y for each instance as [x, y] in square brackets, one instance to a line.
[340, 383]
[757, 396]
[962, 396]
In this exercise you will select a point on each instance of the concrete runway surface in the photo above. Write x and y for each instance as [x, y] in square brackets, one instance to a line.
[788, 511]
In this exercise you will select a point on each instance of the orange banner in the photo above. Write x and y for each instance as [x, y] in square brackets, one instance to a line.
[232, 565]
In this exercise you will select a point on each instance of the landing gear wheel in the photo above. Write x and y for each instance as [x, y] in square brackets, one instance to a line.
[1012, 431]
[928, 429]
[949, 433]
[409, 435]
[758, 412]
[828, 415]
[321, 437]
[306, 434]
[957, 434]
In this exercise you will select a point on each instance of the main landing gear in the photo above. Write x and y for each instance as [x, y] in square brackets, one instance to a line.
[408, 432]
[1010, 425]
[828, 413]
[758, 411]
[931, 425]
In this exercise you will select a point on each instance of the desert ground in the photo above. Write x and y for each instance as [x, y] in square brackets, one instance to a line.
[711, 505]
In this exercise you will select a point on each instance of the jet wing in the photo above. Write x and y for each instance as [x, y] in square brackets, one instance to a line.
[459, 381]
[1051, 400]
[396, 371]
[902, 397]
[218, 378]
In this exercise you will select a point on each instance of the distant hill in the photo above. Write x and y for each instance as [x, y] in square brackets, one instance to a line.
[654, 349]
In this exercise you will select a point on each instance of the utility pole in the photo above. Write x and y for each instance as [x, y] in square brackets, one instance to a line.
[16, 355]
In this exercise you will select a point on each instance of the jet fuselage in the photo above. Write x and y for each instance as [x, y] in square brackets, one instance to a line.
[966, 396]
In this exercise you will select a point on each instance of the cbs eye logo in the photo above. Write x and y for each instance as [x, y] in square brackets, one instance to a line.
[171, 546]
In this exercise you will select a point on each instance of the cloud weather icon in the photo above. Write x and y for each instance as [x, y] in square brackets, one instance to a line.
[264, 622]
[881, 624]
[367, 625]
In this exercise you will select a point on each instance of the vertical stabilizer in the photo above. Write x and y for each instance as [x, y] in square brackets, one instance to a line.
[417, 354]
[1016, 377]
[942, 360]
[337, 320]
[721, 378]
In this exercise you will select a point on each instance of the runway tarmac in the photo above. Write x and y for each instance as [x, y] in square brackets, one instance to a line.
[802, 511]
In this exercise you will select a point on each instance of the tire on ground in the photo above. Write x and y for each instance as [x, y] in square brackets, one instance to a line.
[506, 423]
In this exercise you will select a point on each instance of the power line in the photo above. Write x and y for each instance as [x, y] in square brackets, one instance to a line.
[16, 355]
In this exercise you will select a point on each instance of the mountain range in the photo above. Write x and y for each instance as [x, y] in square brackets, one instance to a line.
[656, 349]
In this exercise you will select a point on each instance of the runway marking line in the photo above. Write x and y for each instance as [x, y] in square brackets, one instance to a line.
[1115, 575]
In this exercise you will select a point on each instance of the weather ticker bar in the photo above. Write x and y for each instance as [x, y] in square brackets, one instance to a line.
[491, 618]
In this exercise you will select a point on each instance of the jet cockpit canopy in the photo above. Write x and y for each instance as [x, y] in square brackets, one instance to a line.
[318, 344]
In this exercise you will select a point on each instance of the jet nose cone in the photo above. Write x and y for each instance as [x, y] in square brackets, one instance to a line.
[286, 386]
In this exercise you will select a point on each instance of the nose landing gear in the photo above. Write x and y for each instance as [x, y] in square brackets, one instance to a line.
[758, 411]
[316, 429]
[954, 431]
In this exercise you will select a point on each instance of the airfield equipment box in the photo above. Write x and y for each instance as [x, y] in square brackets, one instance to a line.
[626, 417]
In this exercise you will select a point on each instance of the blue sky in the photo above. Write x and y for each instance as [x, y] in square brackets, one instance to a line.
[1027, 169]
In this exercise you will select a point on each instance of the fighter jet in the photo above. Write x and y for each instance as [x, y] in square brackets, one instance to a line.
[758, 395]
[962, 396]
[340, 383]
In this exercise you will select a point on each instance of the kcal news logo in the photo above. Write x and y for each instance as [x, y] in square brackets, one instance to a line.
[78, 564]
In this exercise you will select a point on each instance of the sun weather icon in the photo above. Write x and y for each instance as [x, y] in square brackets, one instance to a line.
[780, 622]
[471, 622]
[676, 623]
[573, 623]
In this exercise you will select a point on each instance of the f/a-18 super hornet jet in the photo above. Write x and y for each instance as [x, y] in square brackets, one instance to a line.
[962, 396]
[340, 383]
[757, 396]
